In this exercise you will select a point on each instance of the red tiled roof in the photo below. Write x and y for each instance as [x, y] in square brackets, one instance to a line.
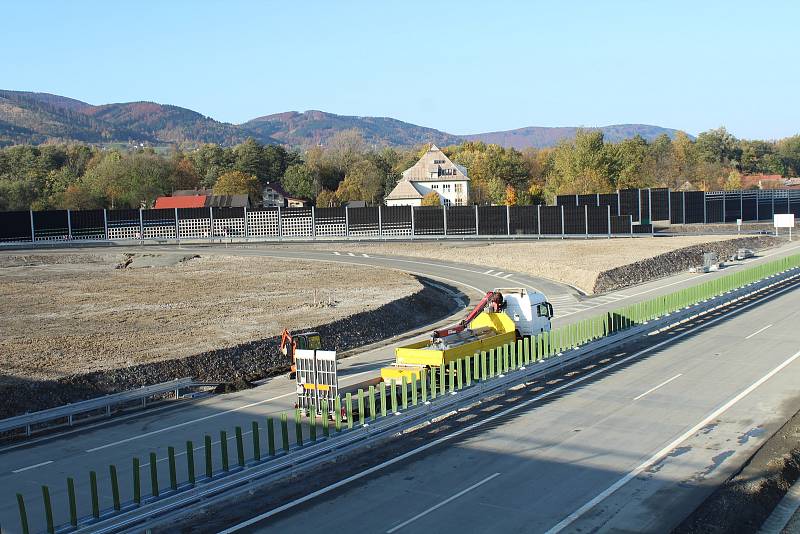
[196, 201]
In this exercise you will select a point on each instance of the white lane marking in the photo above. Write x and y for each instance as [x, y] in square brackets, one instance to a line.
[365, 255]
[436, 507]
[350, 254]
[185, 423]
[567, 521]
[337, 253]
[507, 275]
[758, 331]
[435, 443]
[664, 383]
[34, 466]
[490, 271]
[498, 274]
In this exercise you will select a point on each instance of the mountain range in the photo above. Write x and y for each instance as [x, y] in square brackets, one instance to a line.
[35, 118]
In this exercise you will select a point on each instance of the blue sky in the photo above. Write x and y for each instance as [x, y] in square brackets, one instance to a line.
[462, 66]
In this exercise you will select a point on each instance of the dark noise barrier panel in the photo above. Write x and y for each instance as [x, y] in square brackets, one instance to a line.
[363, 222]
[694, 202]
[642, 228]
[794, 204]
[597, 219]
[550, 220]
[609, 199]
[396, 220]
[587, 200]
[492, 220]
[330, 222]
[781, 202]
[523, 220]
[15, 226]
[764, 200]
[123, 224]
[574, 220]
[714, 207]
[158, 224]
[676, 207]
[428, 220]
[194, 222]
[660, 204]
[749, 205]
[621, 224]
[50, 225]
[228, 221]
[733, 206]
[566, 200]
[461, 220]
[88, 224]
[629, 203]
[644, 205]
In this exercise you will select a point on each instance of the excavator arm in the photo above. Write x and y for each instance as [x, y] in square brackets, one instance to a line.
[468, 319]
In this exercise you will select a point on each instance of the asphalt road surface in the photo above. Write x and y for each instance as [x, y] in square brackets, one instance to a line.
[593, 459]
[25, 467]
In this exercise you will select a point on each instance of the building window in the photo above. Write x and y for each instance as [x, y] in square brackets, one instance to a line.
[459, 188]
[435, 186]
[446, 201]
[446, 187]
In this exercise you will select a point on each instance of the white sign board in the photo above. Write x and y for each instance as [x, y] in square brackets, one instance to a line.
[784, 220]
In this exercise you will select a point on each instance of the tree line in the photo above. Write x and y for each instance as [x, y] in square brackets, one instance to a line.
[85, 177]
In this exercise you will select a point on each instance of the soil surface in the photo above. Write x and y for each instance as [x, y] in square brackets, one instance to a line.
[577, 262]
[81, 313]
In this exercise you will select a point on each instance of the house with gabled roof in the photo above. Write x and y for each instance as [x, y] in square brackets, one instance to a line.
[433, 172]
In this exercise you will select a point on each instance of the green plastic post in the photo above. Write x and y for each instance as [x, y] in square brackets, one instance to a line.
[256, 442]
[476, 366]
[491, 363]
[137, 483]
[112, 471]
[190, 461]
[270, 437]
[23, 515]
[423, 382]
[208, 458]
[372, 414]
[173, 471]
[451, 376]
[298, 425]
[239, 446]
[468, 370]
[95, 496]
[404, 391]
[153, 474]
[513, 356]
[414, 398]
[48, 510]
[337, 413]
[483, 366]
[73, 503]
[285, 432]
[382, 387]
[442, 381]
[312, 425]
[348, 403]
[223, 446]
[361, 413]
[526, 349]
[433, 383]
[393, 390]
[326, 418]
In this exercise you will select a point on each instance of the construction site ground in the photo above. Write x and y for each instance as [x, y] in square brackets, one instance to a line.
[64, 314]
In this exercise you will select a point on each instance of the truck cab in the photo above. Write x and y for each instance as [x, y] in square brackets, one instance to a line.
[529, 310]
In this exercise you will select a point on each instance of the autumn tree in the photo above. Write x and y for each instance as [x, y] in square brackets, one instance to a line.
[364, 181]
[431, 198]
[239, 183]
[185, 176]
[300, 181]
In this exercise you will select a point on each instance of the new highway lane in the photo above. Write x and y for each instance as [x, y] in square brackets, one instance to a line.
[50, 461]
[635, 450]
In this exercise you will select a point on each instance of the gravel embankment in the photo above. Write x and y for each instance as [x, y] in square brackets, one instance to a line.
[673, 262]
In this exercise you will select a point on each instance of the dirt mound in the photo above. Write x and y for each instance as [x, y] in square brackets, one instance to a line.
[673, 262]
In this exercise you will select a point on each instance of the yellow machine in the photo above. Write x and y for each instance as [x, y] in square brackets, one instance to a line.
[495, 321]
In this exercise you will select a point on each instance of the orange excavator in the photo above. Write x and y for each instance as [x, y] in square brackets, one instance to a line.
[303, 340]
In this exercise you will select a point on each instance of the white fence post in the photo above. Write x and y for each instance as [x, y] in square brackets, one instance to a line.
[246, 225]
[33, 228]
[562, 222]
[586, 219]
[177, 227]
[444, 219]
[346, 221]
[105, 224]
[141, 226]
[380, 220]
[539, 221]
[69, 225]
[508, 220]
[412, 221]
[609, 221]
[477, 232]
[280, 224]
[313, 224]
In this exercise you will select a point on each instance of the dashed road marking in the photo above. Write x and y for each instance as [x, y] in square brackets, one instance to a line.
[34, 466]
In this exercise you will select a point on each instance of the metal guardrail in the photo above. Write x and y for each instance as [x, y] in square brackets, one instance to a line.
[68, 412]
[337, 445]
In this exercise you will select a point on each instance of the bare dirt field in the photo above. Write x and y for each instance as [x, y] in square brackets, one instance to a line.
[79, 313]
[576, 262]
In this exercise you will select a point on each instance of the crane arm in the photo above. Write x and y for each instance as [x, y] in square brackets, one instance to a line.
[468, 319]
